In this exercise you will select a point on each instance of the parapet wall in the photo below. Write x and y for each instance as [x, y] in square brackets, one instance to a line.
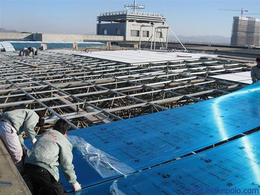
[56, 37]
[62, 37]
[12, 181]
[102, 38]
[16, 36]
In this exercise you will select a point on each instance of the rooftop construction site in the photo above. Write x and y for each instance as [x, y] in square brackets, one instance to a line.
[127, 108]
[146, 116]
[100, 87]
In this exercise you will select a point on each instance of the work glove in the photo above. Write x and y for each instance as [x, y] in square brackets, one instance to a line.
[76, 186]
[33, 141]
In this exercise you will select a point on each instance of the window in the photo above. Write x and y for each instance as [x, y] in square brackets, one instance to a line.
[104, 31]
[145, 33]
[159, 34]
[135, 33]
[118, 31]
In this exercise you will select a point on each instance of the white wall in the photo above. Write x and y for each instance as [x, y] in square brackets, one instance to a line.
[136, 26]
[16, 36]
[57, 37]
[62, 37]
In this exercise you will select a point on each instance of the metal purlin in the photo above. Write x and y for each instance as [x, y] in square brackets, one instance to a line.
[68, 94]
[114, 91]
[163, 90]
[130, 96]
[106, 89]
[153, 88]
[189, 97]
[39, 102]
[36, 100]
[196, 85]
[169, 80]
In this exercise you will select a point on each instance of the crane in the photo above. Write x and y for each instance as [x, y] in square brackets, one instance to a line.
[241, 11]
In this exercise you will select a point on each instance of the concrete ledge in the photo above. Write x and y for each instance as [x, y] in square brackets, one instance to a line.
[9, 172]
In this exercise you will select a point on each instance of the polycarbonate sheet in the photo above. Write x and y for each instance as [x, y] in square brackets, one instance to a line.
[242, 77]
[141, 56]
[232, 168]
[7, 46]
[152, 139]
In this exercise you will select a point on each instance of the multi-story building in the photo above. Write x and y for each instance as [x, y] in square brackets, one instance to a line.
[245, 31]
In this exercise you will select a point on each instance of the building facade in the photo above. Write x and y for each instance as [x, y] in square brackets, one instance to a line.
[133, 26]
[245, 31]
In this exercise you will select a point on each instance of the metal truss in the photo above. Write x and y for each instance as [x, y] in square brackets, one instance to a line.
[87, 91]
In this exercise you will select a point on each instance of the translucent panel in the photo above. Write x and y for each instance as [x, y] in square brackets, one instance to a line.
[153, 139]
[232, 168]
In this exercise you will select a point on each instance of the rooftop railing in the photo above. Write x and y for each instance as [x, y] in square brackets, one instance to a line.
[131, 12]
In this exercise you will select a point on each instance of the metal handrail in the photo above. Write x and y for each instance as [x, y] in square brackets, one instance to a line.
[131, 12]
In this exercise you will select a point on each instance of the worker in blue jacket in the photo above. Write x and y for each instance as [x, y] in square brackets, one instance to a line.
[41, 164]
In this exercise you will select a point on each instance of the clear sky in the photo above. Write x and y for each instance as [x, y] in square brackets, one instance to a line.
[185, 17]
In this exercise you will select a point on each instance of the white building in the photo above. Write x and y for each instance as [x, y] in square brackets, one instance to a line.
[133, 26]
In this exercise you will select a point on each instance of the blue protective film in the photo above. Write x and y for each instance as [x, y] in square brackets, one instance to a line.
[153, 139]
[232, 168]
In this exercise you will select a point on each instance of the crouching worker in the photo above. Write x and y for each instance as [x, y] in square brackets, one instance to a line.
[13, 125]
[41, 164]
[24, 52]
[32, 50]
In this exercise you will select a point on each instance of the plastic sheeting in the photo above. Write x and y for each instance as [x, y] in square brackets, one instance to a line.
[104, 164]
[114, 189]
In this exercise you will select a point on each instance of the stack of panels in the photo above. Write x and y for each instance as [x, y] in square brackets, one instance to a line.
[154, 139]
[7, 46]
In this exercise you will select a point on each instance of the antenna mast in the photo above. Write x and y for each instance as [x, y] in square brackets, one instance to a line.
[134, 7]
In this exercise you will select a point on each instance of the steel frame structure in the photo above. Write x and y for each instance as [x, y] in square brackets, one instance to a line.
[88, 91]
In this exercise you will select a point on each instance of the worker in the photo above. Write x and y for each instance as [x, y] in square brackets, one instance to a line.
[41, 48]
[13, 125]
[255, 71]
[33, 50]
[24, 52]
[41, 164]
